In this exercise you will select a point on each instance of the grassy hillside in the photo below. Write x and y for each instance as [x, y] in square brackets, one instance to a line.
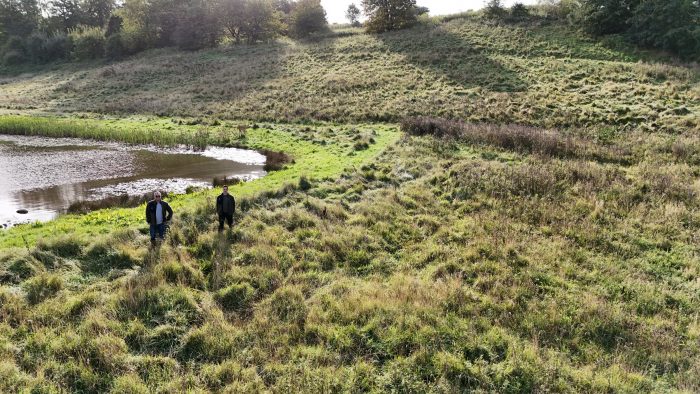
[545, 76]
[449, 258]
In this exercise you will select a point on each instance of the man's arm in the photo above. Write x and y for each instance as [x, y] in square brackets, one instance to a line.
[219, 205]
[148, 217]
[169, 211]
[234, 204]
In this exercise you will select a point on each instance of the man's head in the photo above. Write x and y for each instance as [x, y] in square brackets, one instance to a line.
[156, 196]
[225, 191]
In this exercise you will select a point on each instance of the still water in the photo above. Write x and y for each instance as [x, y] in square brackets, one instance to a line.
[45, 175]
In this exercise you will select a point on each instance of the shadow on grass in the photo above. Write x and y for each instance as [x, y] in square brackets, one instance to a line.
[456, 59]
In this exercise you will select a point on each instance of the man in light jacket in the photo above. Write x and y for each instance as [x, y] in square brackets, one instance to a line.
[158, 213]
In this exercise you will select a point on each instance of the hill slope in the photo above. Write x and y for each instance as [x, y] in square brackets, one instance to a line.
[450, 258]
[545, 76]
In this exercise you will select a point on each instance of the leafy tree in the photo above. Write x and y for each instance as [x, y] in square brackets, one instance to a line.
[422, 10]
[232, 17]
[261, 22]
[197, 28]
[96, 12]
[308, 16]
[602, 17]
[284, 6]
[251, 20]
[18, 18]
[353, 14]
[670, 25]
[64, 15]
[387, 15]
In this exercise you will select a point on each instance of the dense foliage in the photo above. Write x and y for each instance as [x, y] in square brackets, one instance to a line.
[669, 25]
[387, 15]
[134, 25]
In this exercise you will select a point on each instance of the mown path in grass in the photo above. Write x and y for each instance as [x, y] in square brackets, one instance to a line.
[318, 152]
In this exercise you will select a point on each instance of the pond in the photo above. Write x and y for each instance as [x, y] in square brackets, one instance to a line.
[45, 175]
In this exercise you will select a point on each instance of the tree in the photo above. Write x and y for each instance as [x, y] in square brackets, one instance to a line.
[422, 10]
[64, 15]
[96, 12]
[387, 15]
[353, 15]
[261, 22]
[600, 17]
[307, 17]
[232, 17]
[670, 25]
[197, 27]
[18, 18]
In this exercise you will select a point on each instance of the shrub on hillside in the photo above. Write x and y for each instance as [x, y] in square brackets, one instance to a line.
[43, 48]
[519, 13]
[89, 43]
[114, 47]
[13, 52]
[494, 10]
[12, 58]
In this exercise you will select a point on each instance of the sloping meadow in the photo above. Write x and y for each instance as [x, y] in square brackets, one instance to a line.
[464, 257]
[539, 75]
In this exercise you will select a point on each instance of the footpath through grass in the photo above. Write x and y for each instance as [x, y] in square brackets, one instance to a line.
[318, 152]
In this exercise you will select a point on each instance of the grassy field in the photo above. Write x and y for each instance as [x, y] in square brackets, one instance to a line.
[551, 248]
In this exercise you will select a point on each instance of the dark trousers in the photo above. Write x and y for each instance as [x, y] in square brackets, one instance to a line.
[157, 229]
[228, 218]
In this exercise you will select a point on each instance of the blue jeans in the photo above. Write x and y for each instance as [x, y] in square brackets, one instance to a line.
[157, 228]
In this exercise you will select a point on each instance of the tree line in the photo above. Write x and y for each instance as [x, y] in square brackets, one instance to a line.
[39, 32]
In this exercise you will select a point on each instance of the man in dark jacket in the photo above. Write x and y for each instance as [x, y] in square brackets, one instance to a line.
[158, 213]
[225, 207]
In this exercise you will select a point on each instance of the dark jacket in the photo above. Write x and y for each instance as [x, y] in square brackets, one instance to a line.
[151, 211]
[225, 205]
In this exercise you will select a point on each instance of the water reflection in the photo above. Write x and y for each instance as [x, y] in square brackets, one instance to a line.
[45, 175]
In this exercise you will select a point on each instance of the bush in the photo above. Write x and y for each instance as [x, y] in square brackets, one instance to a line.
[114, 47]
[12, 58]
[519, 13]
[42, 48]
[89, 43]
[494, 10]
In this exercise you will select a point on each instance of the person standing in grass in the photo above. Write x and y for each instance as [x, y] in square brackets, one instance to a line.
[225, 207]
[158, 213]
